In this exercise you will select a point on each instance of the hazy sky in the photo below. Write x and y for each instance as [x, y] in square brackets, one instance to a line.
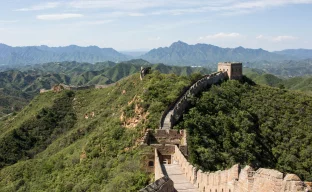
[146, 24]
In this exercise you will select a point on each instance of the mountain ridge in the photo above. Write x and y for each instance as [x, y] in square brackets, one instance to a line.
[43, 54]
[180, 53]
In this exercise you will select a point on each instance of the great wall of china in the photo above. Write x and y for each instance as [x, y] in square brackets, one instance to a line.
[168, 157]
[169, 161]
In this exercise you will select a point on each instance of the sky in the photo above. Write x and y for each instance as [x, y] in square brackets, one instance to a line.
[139, 25]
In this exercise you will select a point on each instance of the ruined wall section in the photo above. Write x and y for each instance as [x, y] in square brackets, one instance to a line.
[60, 87]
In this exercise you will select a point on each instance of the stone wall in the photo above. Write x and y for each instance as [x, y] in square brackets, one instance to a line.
[158, 170]
[236, 179]
[168, 136]
[164, 184]
[75, 88]
[183, 102]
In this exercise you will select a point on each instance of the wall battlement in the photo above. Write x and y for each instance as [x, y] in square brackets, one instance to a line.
[171, 148]
[174, 112]
[236, 179]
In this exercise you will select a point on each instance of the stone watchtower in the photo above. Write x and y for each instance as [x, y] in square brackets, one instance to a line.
[234, 70]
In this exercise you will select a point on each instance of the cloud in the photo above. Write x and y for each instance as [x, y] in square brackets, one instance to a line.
[277, 38]
[221, 36]
[99, 22]
[42, 6]
[59, 16]
[116, 4]
[136, 14]
[225, 7]
[284, 38]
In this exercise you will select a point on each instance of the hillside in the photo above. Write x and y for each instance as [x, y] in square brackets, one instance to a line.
[180, 53]
[251, 125]
[295, 83]
[51, 146]
[25, 82]
[43, 54]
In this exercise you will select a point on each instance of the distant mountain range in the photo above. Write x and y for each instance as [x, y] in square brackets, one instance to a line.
[178, 53]
[44, 54]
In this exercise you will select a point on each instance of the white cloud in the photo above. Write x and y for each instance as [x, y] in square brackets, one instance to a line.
[136, 14]
[42, 6]
[59, 16]
[277, 38]
[221, 36]
[284, 38]
[99, 22]
[116, 4]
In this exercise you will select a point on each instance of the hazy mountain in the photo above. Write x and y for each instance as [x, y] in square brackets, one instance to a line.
[180, 53]
[43, 54]
[286, 68]
[299, 53]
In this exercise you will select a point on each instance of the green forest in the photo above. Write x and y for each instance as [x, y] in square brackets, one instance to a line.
[19, 85]
[249, 124]
[51, 146]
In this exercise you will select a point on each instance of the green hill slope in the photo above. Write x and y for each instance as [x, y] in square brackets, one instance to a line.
[296, 83]
[51, 146]
[255, 125]
[25, 82]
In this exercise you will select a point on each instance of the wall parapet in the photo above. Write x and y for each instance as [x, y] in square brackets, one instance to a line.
[181, 104]
[236, 179]
[163, 184]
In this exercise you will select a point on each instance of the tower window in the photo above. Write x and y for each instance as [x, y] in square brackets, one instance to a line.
[151, 163]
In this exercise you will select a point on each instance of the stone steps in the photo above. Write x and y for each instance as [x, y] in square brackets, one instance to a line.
[167, 124]
[176, 174]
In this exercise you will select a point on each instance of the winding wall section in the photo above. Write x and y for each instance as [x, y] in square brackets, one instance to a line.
[175, 111]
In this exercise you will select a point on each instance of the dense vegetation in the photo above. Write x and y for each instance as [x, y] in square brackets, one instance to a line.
[296, 83]
[60, 150]
[251, 124]
[23, 83]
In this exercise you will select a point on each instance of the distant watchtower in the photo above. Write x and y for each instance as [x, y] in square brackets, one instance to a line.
[234, 70]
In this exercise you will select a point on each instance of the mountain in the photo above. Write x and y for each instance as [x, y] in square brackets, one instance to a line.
[43, 54]
[299, 53]
[50, 146]
[180, 53]
[24, 82]
[252, 125]
[303, 83]
[286, 68]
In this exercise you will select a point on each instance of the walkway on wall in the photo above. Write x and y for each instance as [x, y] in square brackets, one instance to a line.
[167, 124]
[176, 174]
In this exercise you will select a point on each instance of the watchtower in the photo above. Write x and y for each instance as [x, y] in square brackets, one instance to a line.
[234, 69]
